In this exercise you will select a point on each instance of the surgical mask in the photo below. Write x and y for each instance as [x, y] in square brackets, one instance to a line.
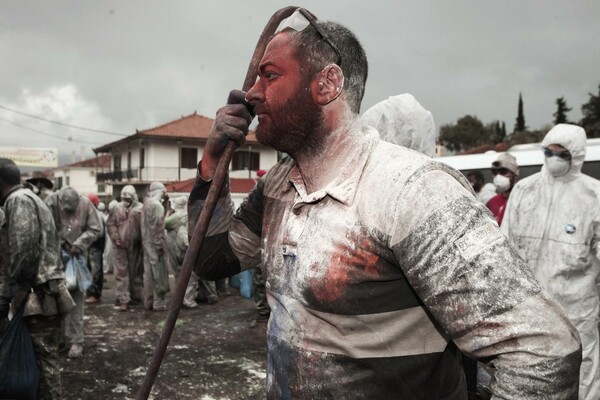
[502, 183]
[557, 166]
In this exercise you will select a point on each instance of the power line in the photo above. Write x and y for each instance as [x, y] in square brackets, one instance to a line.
[62, 123]
[47, 134]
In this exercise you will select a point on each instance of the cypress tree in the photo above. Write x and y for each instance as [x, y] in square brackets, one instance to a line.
[520, 123]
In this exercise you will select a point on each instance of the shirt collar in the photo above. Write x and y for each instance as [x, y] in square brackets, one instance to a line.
[343, 187]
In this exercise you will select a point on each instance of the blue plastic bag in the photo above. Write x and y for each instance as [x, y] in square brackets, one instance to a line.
[19, 372]
[243, 281]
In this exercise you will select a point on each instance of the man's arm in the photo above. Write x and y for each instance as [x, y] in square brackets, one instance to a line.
[93, 227]
[232, 242]
[23, 241]
[111, 227]
[481, 292]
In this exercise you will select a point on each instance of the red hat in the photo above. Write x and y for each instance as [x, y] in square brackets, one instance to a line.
[94, 199]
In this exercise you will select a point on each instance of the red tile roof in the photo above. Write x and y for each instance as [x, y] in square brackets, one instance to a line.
[192, 126]
[238, 185]
[96, 162]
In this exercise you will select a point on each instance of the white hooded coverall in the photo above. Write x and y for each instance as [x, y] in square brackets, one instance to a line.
[554, 223]
[403, 121]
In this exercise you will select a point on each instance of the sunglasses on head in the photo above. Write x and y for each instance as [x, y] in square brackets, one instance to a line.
[565, 154]
[299, 20]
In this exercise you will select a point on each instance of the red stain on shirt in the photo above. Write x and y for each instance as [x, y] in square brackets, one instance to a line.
[347, 267]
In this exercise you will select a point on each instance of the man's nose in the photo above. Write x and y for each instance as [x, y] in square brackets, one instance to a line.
[255, 94]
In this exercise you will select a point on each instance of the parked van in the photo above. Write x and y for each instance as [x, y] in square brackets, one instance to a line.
[529, 157]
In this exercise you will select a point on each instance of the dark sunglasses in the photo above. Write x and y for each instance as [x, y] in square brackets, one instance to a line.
[299, 20]
[565, 154]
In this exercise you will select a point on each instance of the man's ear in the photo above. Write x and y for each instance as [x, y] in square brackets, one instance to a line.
[329, 84]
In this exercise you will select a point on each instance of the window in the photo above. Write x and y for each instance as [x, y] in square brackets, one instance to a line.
[117, 162]
[68, 180]
[128, 161]
[142, 158]
[189, 157]
[59, 182]
[246, 160]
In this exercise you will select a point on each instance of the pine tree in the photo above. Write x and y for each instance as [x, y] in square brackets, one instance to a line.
[520, 124]
[560, 116]
[591, 115]
[503, 129]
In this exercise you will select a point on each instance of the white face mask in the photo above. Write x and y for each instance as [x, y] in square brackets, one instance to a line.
[557, 167]
[502, 183]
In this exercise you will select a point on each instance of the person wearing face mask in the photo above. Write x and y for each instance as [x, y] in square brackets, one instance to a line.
[483, 191]
[505, 171]
[123, 227]
[553, 220]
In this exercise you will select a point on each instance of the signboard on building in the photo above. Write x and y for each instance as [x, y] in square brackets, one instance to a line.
[31, 156]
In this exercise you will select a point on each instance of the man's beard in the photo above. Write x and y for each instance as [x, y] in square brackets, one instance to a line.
[295, 126]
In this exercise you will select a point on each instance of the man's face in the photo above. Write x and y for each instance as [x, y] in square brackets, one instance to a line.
[505, 172]
[289, 120]
[127, 201]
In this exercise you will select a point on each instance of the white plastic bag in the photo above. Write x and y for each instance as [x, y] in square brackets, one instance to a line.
[71, 275]
[77, 274]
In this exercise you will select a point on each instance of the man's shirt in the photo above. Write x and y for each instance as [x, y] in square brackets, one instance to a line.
[497, 206]
[373, 279]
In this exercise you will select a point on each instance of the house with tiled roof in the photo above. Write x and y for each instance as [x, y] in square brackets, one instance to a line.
[170, 153]
[81, 175]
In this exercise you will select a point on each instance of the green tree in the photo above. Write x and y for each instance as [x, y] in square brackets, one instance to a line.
[591, 115]
[560, 116]
[496, 132]
[520, 123]
[467, 133]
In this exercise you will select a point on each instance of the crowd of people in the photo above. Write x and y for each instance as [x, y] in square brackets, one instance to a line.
[43, 231]
[382, 267]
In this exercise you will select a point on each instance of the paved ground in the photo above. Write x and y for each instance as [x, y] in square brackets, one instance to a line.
[213, 353]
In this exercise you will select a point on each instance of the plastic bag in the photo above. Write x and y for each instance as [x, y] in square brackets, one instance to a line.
[71, 275]
[243, 281]
[84, 276]
[77, 274]
[19, 372]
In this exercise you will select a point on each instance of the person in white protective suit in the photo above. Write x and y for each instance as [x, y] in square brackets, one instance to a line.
[177, 243]
[553, 220]
[156, 277]
[403, 121]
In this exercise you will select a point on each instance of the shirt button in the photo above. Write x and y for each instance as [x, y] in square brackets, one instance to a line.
[297, 211]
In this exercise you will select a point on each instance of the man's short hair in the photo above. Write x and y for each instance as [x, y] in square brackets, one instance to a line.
[315, 54]
[9, 172]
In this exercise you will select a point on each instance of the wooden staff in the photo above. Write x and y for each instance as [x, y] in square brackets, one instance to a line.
[206, 214]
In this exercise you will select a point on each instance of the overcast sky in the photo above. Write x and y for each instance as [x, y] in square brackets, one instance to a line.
[125, 65]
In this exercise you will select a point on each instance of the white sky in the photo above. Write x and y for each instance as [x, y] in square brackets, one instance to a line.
[126, 65]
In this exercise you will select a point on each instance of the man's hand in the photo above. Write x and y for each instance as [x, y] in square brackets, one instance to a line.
[231, 123]
[75, 251]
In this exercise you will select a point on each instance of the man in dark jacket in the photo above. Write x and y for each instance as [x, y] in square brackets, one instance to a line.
[33, 279]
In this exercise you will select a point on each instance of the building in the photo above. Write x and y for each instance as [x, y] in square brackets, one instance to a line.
[82, 176]
[170, 153]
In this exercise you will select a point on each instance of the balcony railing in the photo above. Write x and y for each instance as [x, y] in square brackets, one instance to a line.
[163, 174]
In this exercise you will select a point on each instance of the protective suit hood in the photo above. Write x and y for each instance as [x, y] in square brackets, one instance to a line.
[128, 192]
[572, 138]
[69, 198]
[403, 121]
[179, 203]
[156, 189]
